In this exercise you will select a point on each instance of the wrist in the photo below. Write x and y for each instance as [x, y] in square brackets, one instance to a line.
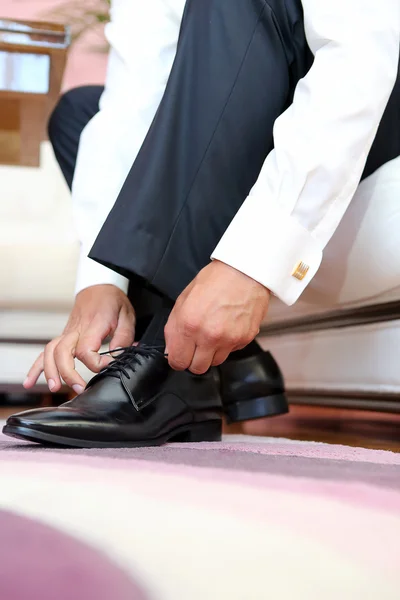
[235, 272]
[90, 273]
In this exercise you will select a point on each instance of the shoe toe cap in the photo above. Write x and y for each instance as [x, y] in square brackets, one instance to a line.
[38, 418]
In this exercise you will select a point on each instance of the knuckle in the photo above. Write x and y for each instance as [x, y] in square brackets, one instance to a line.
[191, 326]
[80, 353]
[214, 335]
[61, 349]
[235, 340]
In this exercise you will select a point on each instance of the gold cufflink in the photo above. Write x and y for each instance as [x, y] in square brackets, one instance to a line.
[300, 271]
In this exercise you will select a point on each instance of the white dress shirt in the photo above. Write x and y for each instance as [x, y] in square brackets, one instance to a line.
[321, 142]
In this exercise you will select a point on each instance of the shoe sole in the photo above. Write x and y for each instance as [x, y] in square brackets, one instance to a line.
[209, 431]
[257, 408]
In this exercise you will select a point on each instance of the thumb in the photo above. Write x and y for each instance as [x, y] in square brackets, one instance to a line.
[124, 334]
[89, 345]
[87, 351]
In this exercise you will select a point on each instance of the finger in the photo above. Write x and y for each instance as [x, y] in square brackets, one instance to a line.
[50, 367]
[220, 357]
[202, 360]
[124, 334]
[34, 372]
[179, 347]
[64, 355]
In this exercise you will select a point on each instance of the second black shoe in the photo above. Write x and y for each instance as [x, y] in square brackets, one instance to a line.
[252, 388]
[138, 400]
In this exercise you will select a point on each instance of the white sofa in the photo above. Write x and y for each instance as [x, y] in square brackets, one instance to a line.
[38, 255]
[339, 343]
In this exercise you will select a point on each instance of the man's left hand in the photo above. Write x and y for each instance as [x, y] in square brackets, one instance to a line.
[219, 312]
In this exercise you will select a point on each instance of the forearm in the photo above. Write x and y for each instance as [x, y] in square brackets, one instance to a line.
[321, 144]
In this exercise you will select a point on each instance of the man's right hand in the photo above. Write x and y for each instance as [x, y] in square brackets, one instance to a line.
[99, 311]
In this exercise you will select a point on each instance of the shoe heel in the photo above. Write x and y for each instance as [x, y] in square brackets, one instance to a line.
[257, 408]
[209, 431]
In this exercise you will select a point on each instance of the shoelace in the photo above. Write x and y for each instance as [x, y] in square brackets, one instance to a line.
[128, 358]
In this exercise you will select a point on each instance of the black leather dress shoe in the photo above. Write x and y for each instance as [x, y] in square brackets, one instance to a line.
[252, 388]
[138, 400]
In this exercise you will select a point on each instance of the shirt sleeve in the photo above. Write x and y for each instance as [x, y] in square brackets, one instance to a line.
[140, 62]
[321, 145]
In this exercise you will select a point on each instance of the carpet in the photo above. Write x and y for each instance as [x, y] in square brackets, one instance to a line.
[245, 519]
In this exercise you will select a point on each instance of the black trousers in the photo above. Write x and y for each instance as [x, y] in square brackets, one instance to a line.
[235, 71]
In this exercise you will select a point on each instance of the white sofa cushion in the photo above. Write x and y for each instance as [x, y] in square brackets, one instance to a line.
[17, 359]
[362, 359]
[38, 243]
[361, 263]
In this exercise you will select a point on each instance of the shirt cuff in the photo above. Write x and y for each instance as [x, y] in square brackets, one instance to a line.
[272, 248]
[92, 273]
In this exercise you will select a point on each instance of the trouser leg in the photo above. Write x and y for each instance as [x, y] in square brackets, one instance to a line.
[235, 70]
[386, 146]
[71, 115]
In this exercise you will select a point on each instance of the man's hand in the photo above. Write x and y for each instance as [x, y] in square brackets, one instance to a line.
[99, 311]
[219, 312]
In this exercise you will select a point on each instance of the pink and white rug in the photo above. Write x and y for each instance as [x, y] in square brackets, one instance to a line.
[246, 519]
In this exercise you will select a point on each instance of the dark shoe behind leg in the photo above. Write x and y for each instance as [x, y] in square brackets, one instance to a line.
[252, 388]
